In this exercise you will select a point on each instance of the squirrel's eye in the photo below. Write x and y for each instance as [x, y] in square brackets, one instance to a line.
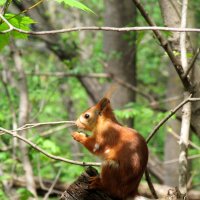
[86, 116]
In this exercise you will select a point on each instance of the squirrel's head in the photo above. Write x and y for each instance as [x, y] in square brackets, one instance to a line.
[88, 120]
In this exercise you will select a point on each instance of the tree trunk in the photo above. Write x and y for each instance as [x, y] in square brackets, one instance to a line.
[79, 190]
[23, 119]
[120, 48]
[171, 11]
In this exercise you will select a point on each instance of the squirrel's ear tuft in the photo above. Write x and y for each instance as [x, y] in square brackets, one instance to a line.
[103, 103]
[110, 91]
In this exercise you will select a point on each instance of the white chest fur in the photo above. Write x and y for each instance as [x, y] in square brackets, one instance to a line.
[96, 147]
[107, 151]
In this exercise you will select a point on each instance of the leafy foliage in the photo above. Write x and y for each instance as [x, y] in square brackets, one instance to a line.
[48, 94]
[2, 2]
[76, 4]
[18, 21]
[24, 194]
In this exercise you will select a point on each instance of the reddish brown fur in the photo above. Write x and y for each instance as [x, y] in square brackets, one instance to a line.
[123, 150]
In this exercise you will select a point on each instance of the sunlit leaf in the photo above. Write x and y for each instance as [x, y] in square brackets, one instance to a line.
[24, 193]
[18, 21]
[2, 2]
[76, 4]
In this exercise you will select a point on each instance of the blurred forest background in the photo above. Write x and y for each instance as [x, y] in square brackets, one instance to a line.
[55, 77]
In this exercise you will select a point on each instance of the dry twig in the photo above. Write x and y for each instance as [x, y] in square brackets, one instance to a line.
[14, 134]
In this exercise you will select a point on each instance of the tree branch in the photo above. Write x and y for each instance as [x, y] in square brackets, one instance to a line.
[167, 162]
[166, 46]
[193, 145]
[64, 74]
[46, 197]
[172, 112]
[98, 28]
[14, 134]
[186, 111]
[28, 126]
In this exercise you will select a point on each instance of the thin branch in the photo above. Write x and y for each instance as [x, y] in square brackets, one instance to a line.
[14, 134]
[63, 74]
[166, 46]
[172, 112]
[133, 88]
[28, 126]
[31, 7]
[98, 28]
[39, 175]
[26, 10]
[193, 145]
[197, 156]
[96, 75]
[150, 184]
[53, 185]
[53, 130]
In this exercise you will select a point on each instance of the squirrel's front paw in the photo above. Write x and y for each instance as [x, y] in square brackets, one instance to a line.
[80, 137]
[94, 183]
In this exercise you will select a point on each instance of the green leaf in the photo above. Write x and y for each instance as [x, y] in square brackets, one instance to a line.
[49, 145]
[21, 22]
[24, 193]
[2, 2]
[3, 156]
[76, 4]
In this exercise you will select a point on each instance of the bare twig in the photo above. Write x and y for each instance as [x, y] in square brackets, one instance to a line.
[53, 130]
[29, 126]
[172, 112]
[63, 74]
[166, 46]
[96, 28]
[96, 75]
[31, 7]
[193, 145]
[53, 185]
[28, 9]
[133, 88]
[167, 162]
[14, 134]
[150, 184]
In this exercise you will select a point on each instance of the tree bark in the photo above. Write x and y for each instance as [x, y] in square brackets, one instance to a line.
[121, 48]
[78, 190]
[171, 10]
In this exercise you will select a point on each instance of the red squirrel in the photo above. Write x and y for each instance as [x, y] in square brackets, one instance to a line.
[123, 150]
